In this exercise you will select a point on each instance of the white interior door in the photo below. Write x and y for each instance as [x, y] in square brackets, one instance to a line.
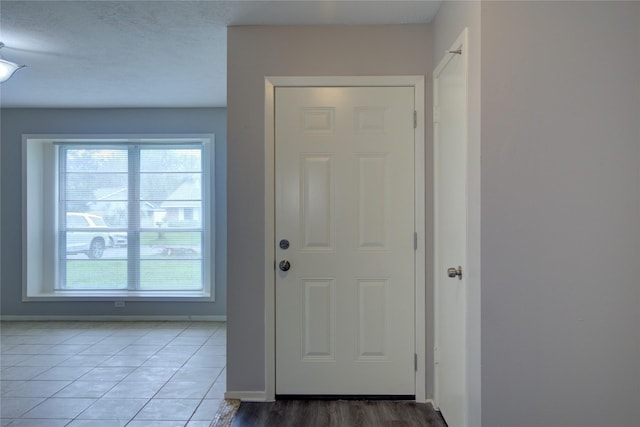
[450, 165]
[345, 207]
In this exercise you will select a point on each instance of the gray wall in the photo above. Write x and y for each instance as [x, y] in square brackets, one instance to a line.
[560, 214]
[452, 18]
[15, 122]
[256, 52]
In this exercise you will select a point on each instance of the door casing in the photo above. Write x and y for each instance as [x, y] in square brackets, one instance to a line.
[417, 82]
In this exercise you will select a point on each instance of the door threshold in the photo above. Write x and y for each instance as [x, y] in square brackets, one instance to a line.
[345, 397]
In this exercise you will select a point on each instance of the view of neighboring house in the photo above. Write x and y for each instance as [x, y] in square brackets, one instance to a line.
[184, 206]
[110, 204]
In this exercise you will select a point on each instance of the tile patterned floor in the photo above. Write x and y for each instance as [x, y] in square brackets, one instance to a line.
[111, 374]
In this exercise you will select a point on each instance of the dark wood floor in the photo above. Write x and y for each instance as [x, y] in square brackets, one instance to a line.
[337, 413]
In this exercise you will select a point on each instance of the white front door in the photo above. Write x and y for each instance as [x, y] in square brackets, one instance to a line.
[450, 164]
[344, 228]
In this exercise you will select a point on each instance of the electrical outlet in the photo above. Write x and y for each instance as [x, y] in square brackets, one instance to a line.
[118, 303]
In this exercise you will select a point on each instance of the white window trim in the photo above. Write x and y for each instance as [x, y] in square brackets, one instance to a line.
[39, 221]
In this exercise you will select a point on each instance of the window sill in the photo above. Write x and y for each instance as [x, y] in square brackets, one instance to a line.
[182, 296]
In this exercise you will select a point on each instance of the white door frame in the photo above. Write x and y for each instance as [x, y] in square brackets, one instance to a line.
[417, 82]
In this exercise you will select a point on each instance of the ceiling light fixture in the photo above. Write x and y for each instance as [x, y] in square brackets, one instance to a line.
[7, 68]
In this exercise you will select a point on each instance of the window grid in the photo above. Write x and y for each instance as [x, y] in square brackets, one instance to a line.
[137, 263]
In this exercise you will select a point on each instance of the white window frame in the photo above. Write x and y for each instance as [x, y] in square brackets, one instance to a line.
[40, 219]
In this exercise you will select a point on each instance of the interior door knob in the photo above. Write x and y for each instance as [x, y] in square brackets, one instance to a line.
[453, 272]
[284, 265]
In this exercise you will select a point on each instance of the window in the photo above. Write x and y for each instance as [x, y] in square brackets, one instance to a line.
[128, 218]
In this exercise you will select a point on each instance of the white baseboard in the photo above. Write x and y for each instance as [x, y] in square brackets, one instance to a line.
[432, 404]
[247, 396]
[114, 318]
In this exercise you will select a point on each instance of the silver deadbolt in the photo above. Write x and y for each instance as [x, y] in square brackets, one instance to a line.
[453, 272]
[284, 265]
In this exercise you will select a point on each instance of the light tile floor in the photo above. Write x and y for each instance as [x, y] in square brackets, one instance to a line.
[111, 374]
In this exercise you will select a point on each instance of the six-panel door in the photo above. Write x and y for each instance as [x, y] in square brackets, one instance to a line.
[345, 202]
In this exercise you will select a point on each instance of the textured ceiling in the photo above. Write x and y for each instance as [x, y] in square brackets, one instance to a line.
[151, 53]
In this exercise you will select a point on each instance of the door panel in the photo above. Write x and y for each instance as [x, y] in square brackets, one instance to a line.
[317, 202]
[345, 202]
[372, 206]
[319, 318]
[373, 317]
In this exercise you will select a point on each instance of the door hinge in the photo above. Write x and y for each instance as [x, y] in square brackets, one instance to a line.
[415, 362]
[436, 114]
[415, 119]
[435, 355]
[415, 240]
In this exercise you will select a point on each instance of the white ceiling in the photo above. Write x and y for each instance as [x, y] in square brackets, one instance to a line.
[152, 53]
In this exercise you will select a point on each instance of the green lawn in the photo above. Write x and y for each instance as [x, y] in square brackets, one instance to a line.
[165, 274]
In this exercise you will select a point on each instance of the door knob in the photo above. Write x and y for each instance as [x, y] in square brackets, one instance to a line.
[453, 272]
[284, 265]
